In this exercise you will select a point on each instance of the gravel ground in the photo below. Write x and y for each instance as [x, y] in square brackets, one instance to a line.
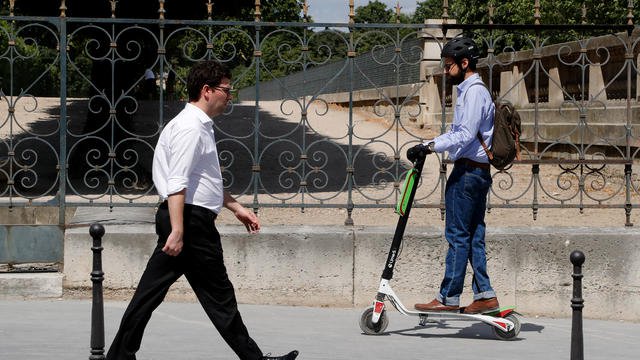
[431, 217]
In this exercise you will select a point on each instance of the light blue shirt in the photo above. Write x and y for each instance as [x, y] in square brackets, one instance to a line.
[473, 113]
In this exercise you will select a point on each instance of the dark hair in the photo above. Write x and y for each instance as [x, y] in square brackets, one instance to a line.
[208, 72]
[460, 48]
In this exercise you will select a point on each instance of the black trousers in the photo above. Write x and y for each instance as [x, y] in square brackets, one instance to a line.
[202, 264]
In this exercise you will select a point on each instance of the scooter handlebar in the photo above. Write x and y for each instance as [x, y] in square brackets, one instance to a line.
[418, 151]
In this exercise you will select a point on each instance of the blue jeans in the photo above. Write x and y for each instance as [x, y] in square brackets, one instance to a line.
[466, 202]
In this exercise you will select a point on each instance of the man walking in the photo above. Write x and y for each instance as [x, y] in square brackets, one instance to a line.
[468, 184]
[186, 173]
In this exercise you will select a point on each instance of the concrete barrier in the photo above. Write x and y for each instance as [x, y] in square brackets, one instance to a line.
[341, 266]
[30, 285]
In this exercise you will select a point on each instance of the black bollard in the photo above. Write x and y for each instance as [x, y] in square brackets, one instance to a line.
[97, 307]
[577, 259]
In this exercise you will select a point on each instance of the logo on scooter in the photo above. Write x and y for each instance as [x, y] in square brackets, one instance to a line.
[392, 258]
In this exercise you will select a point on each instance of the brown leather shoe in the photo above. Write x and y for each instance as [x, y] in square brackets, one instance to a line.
[482, 306]
[435, 305]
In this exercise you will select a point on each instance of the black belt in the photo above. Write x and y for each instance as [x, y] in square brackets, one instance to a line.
[165, 205]
[471, 163]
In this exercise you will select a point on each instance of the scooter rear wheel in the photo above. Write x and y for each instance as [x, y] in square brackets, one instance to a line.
[368, 327]
[508, 335]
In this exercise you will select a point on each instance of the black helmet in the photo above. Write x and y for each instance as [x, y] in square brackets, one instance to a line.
[460, 48]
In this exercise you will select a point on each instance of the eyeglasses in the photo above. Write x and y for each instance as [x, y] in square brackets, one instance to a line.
[226, 90]
[446, 67]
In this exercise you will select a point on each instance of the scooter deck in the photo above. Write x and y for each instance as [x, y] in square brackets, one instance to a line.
[499, 318]
[503, 311]
[500, 312]
[459, 314]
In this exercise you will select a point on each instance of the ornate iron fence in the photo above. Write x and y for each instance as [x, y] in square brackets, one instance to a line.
[79, 118]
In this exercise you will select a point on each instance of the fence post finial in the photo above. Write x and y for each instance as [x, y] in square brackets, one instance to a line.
[536, 12]
[398, 7]
[63, 9]
[491, 10]
[352, 13]
[12, 4]
[209, 9]
[161, 10]
[258, 14]
[630, 13]
[445, 11]
[305, 11]
[113, 7]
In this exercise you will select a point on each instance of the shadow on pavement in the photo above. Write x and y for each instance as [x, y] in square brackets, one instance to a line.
[444, 329]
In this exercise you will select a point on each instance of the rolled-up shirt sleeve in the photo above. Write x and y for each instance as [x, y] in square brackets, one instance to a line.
[184, 150]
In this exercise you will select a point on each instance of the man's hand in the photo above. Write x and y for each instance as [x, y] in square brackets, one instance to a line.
[420, 150]
[173, 246]
[174, 243]
[249, 219]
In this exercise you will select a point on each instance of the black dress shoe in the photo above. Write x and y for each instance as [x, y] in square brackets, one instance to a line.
[290, 356]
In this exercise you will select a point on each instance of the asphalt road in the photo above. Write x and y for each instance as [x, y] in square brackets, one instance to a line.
[60, 329]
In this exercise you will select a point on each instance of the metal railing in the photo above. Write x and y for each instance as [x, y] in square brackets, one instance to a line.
[91, 141]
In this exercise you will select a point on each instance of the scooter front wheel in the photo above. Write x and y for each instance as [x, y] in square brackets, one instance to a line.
[368, 327]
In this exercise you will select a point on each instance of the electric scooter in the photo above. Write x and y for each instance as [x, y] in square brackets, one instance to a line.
[374, 320]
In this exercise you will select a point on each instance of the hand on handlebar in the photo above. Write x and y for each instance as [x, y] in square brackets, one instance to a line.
[420, 150]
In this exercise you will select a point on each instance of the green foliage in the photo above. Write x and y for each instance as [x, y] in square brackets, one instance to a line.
[522, 12]
[233, 46]
[279, 48]
[30, 66]
[77, 86]
[430, 9]
[375, 12]
[281, 54]
[328, 46]
[34, 68]
[276, 11]
[281, 10]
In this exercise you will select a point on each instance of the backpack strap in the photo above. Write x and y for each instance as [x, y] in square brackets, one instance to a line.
[485, 147]
[478, 135]
[483, 85]
[517, 145]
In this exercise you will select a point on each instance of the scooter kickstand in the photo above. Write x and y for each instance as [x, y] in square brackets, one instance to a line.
[424, 319]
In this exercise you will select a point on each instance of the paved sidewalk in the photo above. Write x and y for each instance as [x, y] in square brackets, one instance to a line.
[60, 330]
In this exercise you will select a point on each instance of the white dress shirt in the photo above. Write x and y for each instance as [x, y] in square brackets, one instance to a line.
[186, 157]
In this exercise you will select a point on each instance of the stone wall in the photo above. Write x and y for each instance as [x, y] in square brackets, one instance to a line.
[341, 266]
